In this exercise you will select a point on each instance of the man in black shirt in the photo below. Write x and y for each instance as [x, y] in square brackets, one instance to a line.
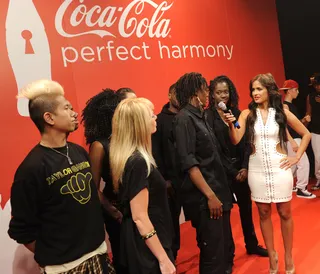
[302, 168]
[206, 195]
[56, 211]
[164, 154]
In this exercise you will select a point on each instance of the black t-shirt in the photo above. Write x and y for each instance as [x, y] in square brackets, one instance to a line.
[196, 145]
[56, 204]
[135, 254]
[295, 112]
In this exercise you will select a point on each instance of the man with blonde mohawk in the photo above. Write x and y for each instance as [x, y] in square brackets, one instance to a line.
[56, 211]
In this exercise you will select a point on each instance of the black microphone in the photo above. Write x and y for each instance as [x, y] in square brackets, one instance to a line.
[223, 107]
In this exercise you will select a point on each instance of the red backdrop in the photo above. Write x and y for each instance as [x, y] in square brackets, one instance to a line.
[233, 37]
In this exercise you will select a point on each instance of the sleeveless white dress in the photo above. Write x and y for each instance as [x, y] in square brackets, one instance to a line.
[268, 182]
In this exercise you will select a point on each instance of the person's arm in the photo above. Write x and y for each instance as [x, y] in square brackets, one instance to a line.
[292, 142]
[214, 204]
[97, 155]
[297, 126]
[139, 209]
[25, 205]
[139, 201]
[307, 118]
[235, 133]
[185, 139]
[246, 151]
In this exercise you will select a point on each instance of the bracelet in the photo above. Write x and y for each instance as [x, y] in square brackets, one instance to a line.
[149, 235]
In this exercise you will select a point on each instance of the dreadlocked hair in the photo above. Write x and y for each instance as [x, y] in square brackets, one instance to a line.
[233, 101]
[267, 81]
[187, 87]
[97, 115]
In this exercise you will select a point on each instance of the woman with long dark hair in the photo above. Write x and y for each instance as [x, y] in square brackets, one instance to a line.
[269, 176]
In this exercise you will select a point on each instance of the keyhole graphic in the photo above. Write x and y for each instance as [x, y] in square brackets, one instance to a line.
[27, 35]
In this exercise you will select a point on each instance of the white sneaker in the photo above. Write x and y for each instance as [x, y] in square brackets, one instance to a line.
[305, 194]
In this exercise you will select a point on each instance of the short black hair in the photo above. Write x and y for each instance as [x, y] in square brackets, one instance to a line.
[39, 106]
[97, 115]
[234, 97]
[123, 91]
[187, 87]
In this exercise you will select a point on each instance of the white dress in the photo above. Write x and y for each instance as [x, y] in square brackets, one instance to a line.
[268, 182]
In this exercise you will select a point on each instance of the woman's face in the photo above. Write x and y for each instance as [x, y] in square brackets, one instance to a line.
[259, 93]
[221, 93]
[153, 120]
[294, 92]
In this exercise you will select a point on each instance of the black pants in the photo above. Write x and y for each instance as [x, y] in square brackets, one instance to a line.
[242, 192]
[113, 229]
[175, 208]
[214, 239]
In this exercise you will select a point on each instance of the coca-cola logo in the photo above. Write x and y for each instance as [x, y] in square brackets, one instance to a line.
[99, 20]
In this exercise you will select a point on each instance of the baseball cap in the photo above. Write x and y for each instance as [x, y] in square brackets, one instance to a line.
[288, 84]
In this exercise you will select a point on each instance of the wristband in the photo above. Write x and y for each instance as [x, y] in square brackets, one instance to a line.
[149, 235]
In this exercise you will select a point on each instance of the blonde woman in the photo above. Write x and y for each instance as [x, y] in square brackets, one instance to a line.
[146, 224]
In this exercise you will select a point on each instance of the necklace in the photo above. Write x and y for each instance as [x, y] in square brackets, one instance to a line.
[65, 155]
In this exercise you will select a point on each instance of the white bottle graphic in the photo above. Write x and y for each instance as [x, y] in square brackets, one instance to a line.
[27, 46]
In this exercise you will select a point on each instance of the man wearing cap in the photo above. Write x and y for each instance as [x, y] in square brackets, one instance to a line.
[302, 168]
[313, 109]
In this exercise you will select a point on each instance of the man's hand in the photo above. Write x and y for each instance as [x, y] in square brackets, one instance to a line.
[215, 207]
[307, 118]
[114, 213]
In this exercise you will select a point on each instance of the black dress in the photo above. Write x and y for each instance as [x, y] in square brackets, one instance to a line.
[135, 254]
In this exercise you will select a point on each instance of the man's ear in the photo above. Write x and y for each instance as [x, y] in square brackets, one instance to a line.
[48, 118]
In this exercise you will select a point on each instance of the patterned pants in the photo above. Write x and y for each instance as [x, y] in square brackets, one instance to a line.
[99, 264]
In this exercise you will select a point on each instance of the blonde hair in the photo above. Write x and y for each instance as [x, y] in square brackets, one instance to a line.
[40, 88]
[41, 95]
[131, 131]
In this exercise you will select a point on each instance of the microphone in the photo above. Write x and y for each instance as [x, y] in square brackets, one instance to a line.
[223, 107]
